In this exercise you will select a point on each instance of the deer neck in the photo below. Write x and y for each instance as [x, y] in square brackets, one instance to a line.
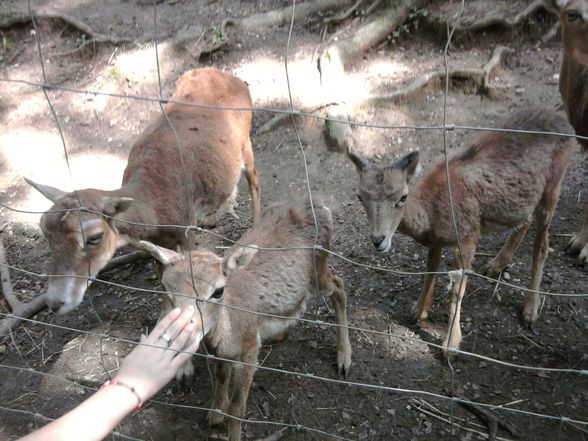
[415, 222]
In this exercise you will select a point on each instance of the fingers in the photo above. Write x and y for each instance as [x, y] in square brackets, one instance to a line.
[174, 329]
[163, 324]
[188, 343]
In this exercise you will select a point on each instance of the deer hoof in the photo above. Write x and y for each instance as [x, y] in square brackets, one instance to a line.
[185, 374]
[344, 364]
[215, 418]
[577, 245]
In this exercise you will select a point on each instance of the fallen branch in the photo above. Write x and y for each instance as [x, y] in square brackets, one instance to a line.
[494, 19]
[480, 77]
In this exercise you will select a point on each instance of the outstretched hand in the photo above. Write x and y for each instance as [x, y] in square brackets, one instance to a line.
[154, 362]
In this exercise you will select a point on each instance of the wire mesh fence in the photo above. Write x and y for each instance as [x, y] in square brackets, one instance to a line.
[191, 229]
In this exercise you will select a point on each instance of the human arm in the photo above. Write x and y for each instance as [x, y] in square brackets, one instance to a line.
[148, 368]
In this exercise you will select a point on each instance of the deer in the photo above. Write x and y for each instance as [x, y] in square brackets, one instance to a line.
[573, 87]
[160, 185]
[272, 270]
[502, 182]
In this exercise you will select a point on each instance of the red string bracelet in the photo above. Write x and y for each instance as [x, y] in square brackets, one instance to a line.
[115, 382]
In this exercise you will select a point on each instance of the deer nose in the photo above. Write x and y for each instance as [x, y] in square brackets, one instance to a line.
[377, 240]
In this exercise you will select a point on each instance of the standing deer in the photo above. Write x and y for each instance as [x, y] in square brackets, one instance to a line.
[215, 147]
[277, 282]
[501, 182]
[573, 86]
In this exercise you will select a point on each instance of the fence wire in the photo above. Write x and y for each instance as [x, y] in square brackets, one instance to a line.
[192, 228]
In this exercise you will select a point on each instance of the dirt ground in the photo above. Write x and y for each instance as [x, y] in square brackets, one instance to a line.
[54, 364]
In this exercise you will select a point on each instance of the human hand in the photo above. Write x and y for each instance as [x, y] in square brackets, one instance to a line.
[148, 368]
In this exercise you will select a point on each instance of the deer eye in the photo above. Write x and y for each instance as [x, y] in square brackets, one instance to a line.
[573, 15]
[95, 239]
[401, 201]
[218, 293]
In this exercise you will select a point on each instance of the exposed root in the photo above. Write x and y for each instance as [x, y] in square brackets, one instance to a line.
[493, 19]
[334, 58]
[282, 118]
[22, 18]
[336, 19]
[280, 17]
[19, 310]
[479, 77]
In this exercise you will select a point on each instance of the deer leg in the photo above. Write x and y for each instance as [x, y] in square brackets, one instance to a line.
[420, 310]
[242, 379]
[579, 243]
[331, 285]
[543, 216]
[252, 179]
[222, 377]
[456, 293]
[506, 253]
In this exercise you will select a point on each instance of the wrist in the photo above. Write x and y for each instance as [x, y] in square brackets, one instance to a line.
[116, 383]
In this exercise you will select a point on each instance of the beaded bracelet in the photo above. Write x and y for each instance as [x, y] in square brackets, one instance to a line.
[115, 382]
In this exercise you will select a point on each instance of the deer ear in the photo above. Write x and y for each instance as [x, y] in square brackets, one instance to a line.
[116, 204]
[409, 164]
[238, 259]
[360, 163]
[51, 193]
[164, 255]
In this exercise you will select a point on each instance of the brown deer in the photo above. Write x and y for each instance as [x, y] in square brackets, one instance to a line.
[276, 282]
[215, 147]
[501, 182]
[573, 86]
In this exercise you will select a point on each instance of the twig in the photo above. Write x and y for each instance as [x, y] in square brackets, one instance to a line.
[491, 419]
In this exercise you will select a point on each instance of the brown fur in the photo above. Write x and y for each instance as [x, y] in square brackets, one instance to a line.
[502, 182]
[573, 86]
[215, 146]
[273, 282]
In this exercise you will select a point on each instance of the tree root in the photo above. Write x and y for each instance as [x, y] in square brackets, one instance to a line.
[280, 17]
[336, 19]
[494, 19]
[334, 58]
[282, 118]
[479, 77]
[22, 18]
[19, 310]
